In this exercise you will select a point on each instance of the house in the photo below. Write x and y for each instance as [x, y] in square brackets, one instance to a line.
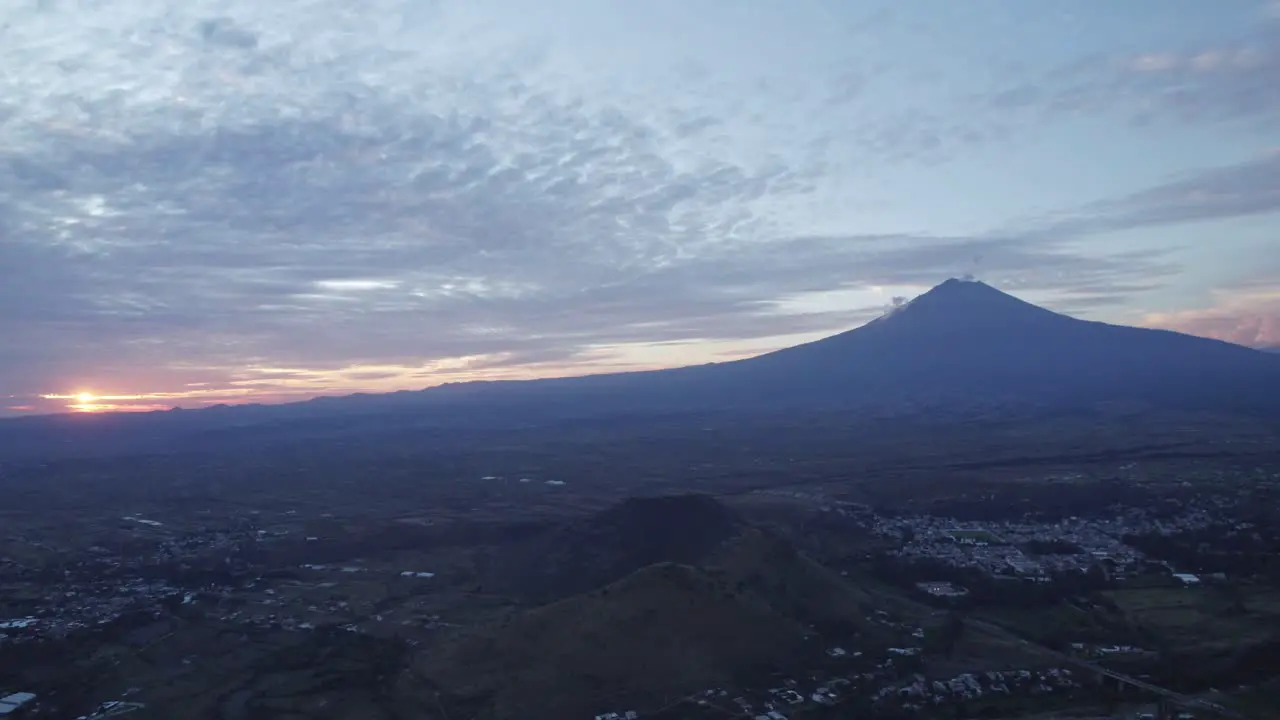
[942, 589]
[1023, 566]
[12, 703]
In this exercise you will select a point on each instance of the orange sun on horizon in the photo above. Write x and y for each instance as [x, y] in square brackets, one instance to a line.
[86, 402]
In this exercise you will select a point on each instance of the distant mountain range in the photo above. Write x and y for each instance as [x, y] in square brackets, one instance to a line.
[962, 348]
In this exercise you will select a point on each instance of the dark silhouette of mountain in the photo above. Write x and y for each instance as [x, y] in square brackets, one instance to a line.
[605, 547]
[745, 604]
[966, 343]
[1275, 349]
[959, 349]
[666, 631]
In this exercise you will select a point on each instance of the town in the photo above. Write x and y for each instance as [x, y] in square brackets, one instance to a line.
[140, 579]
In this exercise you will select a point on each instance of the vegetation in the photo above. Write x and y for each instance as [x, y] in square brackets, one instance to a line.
[765, 565]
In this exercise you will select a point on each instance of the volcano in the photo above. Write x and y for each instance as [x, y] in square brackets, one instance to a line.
[960, 349]
[966, 344]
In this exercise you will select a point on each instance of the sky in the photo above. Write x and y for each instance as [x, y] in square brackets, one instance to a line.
[223, 201]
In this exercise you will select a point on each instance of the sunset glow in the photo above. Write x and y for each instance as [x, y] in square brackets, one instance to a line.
[89, 402]
[585, 191]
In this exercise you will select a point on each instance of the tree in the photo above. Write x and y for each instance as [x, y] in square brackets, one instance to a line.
[945, 637]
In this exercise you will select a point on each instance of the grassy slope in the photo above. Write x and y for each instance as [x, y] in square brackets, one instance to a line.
[1201, 618]
[664, 631]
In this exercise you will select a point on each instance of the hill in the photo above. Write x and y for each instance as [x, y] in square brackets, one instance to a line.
[961, 350]
[742, 604]
[755, 611]
[663, 632]
[693, 530]
[585, 554]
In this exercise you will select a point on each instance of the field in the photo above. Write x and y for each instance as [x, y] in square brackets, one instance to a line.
[1202, 618]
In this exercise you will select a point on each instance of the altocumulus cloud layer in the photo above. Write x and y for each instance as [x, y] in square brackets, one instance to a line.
[201, 200]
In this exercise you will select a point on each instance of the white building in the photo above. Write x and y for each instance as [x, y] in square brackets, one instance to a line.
[11, 703]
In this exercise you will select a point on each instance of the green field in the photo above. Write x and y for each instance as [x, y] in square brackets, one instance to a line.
[1201, 617]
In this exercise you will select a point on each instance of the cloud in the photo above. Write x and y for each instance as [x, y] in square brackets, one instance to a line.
[1249, 188]
[1243, 189]
[209, 201]
[1247, 317]
[1230, 81]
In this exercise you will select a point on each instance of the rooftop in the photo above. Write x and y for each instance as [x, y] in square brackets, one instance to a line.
[10, 703]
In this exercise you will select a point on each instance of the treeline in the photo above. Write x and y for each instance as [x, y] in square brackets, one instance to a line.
[1043, 501]
[1234, 551]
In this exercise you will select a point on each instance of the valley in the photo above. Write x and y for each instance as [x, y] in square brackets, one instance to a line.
[475, 587]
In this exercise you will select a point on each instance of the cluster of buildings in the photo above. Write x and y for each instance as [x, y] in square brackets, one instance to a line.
[136, 564]
[1034, 550]
[919, 692]
[76, 606]
[887, 682]
[1105, 651]
[942, 589]
[134, 568]
[112, 708]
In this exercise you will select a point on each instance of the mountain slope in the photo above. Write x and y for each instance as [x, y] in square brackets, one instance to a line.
[605, 547]
[961, 348]
[751, 605]
[968, 343]
[691, 529]
[666, 630]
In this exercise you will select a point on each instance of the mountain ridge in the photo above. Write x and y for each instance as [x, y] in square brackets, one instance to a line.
[960, 348]
[606, 546]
